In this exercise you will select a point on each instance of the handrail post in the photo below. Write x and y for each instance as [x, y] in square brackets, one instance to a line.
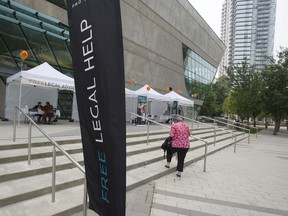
[214, 135]
[205, 157]
[85, 197]
[53, 173]
[29, 142]
[148, 123]
[235, 143]
[14, 126]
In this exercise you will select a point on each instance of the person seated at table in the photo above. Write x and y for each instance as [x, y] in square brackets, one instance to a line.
[48, 112]
[37, 107]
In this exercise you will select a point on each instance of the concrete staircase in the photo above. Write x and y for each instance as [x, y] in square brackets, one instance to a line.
[26, 189]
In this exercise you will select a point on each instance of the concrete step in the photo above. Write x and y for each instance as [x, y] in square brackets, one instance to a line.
[44, 149]
[26, 188]
[30, 186]
[42, 205]
[19, 169]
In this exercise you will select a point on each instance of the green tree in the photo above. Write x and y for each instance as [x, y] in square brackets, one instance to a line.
[275, 91]
[246, 85]
[229, 106]
[213, 104]
[209, 105]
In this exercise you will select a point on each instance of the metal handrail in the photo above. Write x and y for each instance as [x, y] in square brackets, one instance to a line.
[213, 126]
[155, 122]
[245, 125]
[234, 126]
[55, 145]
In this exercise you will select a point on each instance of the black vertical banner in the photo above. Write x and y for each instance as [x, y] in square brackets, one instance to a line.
[98, 63]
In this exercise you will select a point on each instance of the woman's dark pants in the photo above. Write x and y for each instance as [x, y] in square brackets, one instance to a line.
[181, 152]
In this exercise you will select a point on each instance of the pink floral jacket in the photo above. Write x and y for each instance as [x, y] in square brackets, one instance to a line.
[180, 133]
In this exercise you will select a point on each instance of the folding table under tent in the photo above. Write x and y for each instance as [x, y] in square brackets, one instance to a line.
[41, 83]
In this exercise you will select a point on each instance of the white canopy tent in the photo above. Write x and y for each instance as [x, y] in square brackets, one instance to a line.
[129, 93]
[151, 94]
[131, 103]
[180, 99]
[157, 103]
[41, 83]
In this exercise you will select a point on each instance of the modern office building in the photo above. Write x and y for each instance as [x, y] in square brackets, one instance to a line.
[248, 31]
[166, 44]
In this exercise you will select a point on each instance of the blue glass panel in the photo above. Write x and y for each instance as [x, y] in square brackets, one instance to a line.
[9, 19]
[6, 11]
[28, 19]
[39, 45]
[52, 28]
[14, 39]
[48, 19]
[32, 27]
[60, 50]
[21, 8]
[198, 73]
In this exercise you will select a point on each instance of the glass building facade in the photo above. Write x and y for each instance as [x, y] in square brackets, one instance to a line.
[248, 31]
[45, 39]
[199, 75]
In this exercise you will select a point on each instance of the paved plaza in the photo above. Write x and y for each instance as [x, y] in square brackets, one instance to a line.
[252, 181]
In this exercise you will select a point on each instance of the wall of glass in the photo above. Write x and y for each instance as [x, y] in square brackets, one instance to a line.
[199, 74]
[45, 39]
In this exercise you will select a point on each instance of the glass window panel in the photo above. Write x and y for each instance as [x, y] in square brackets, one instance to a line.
[23, 9]
[27, 64]
[3, 49]
[63, 26]
[32, 27]
[6, 11]
[48, 19]
[4, 2]
[14, 39]
[52, 28]
[28, 19]
[40, 46]
[68, 72]
[61, 51]
[8, 63]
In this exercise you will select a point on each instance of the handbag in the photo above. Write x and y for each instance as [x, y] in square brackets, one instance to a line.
[166, 144]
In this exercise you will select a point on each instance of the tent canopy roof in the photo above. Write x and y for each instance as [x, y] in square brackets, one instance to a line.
[129, 93]
[180, 99]
[43, 75]
[151, 94]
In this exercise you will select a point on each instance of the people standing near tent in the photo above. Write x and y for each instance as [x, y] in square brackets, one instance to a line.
[138, 119]
[48, 112]
[36, 108]
[180, 133]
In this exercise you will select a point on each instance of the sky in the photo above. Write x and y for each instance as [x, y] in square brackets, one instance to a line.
[210, 10]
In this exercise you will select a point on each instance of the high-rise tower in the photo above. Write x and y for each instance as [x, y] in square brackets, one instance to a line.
[247, 30]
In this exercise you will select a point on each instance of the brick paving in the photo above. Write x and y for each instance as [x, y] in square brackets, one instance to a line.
[253, 181]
